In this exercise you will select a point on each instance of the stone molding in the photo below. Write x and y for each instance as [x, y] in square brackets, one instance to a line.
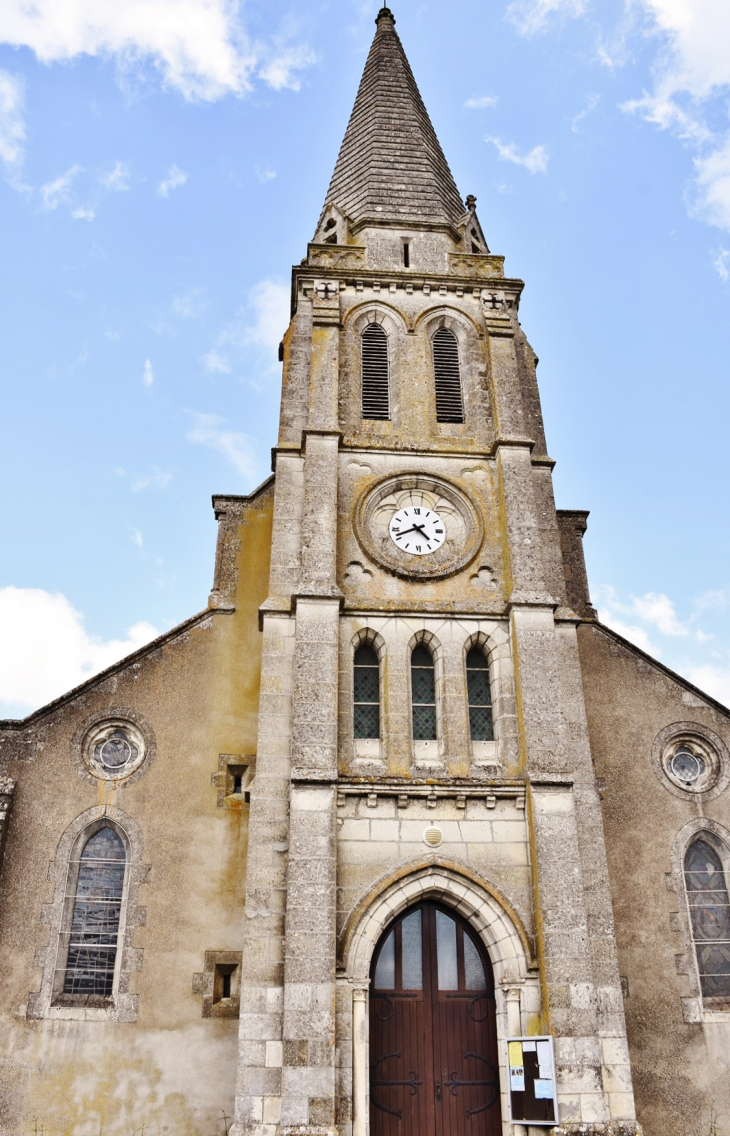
[611, 1128]
[442, 563]
[718, 755]
[113, 714]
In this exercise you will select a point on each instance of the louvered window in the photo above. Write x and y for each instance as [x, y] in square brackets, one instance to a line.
[449, 406]
[375, 393]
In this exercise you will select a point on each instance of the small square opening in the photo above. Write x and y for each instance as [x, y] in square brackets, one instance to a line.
[226, 982]
[237, 781]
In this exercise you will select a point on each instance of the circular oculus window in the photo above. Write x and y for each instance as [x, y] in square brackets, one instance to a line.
[686, 766]
[114, 750]
[690, 759]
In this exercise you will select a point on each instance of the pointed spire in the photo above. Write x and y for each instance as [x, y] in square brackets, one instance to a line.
[390, 164]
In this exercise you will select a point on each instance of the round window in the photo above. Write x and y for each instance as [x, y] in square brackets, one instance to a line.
[691, 760]
[114, 750]
[686, 766]
[689, 765]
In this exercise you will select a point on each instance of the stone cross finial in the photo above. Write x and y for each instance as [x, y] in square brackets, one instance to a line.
[471, 202]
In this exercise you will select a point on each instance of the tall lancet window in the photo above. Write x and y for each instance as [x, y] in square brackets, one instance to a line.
[709, 910]
[423, 694]
[449, 403]
[96, 882]
[366, 692]
[375, 386]
[480, 698]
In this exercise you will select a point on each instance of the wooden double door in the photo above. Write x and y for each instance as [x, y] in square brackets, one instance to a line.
[434, 1069]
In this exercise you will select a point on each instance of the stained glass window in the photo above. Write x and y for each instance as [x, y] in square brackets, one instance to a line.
[366, 692]
[710, 913]
[97, 902]
[480, 698]
[423, 694]
[115, 751]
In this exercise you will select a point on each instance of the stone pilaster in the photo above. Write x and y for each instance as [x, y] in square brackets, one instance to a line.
[258, 1084]
[308, 1073]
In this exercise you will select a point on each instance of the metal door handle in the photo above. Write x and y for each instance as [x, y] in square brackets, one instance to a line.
[438, 1091]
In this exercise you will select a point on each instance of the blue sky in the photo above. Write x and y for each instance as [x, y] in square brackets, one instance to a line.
[163, 165]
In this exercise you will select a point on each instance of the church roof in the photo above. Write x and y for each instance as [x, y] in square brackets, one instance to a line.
[390, 163]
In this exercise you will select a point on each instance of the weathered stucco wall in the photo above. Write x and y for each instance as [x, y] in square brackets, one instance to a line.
[679, 1049]
[198, 690]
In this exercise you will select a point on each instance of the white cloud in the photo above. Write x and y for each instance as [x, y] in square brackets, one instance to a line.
[481, 102]
[237, 448]
[136, 538]
[531, 16]
[657, 609]
[189, 306]
[720, 263]
[279, 70]
[175, 177]
[214, 361]
[714, 680]
[118, 178]
[58, 191]
[713, 187]
[534, 160]
[12, 126]
[629, 631]
[45, 649]
[83, 213]
[591, 103]
[159, 478]
[692, 70]
[148, 375]
[264, 174]
[271, 302]
[198, 46]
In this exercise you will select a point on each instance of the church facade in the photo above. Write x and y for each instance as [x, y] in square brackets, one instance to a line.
[394, 838]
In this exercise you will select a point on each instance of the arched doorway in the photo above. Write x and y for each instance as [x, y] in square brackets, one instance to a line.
[434, 1068]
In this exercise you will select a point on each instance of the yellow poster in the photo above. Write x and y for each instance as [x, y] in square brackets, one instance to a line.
[515, 1053]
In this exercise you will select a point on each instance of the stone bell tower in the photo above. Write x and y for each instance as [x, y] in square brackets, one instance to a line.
[408, 383]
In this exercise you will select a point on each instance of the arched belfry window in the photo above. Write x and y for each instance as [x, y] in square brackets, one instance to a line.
[375, 385]
[480, 698]
[709, 910]
[96, 887]
[423, 693]
[366, 690]
[447, 376]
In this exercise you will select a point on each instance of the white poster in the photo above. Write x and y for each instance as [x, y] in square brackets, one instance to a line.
[544, 1056]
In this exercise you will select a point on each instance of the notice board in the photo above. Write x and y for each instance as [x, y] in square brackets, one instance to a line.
[533, 1097]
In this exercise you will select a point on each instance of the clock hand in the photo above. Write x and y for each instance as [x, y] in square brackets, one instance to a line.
[416, 528]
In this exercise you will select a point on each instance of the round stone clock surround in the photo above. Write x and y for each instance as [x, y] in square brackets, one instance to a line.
[376, 507]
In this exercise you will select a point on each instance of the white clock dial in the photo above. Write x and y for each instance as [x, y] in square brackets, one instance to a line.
[417, 530]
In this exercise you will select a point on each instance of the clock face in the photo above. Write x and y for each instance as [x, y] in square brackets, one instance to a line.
[418, 525]
[417, 530]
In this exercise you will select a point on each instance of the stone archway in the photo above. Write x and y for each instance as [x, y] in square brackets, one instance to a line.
[489, 917]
